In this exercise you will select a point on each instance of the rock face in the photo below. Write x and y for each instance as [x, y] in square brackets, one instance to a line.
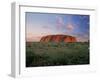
[58, 38]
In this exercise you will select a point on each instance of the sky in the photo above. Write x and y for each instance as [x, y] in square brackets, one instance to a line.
[42, 24]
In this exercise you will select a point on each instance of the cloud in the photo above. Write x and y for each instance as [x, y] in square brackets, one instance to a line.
[31, 37]
[59, 22]
[46, 27]
[82, 37]
[70, 27]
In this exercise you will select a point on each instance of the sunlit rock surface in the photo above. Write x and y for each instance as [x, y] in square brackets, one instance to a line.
[58, 38]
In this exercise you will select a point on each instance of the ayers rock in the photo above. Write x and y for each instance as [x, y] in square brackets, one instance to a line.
[58, 38]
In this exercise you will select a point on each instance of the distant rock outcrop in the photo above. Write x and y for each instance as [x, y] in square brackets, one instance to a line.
[58, 38]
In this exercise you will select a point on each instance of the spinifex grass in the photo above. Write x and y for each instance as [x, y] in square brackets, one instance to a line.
[53, 54]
